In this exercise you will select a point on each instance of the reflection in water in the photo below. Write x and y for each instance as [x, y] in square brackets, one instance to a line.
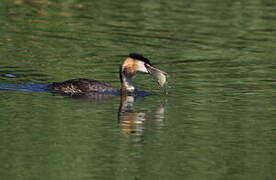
[133, 122]
[29, 87]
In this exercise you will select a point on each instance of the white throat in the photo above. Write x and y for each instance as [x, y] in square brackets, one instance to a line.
[127, 83]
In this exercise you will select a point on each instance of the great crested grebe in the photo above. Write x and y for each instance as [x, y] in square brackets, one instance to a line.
[132, 64]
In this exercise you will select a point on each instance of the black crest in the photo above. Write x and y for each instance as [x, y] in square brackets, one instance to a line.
[139, 57]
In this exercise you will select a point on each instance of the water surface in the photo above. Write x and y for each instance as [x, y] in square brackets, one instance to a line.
[216, 122]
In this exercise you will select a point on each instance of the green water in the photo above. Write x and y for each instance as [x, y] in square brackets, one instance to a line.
[216, 122]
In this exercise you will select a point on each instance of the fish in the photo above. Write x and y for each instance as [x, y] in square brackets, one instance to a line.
[159, 76]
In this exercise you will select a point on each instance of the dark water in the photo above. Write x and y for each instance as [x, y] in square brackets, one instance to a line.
[216, 122]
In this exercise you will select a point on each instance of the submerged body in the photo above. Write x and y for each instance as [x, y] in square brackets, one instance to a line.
[133, 63]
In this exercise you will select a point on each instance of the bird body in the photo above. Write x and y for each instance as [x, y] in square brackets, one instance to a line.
[132, 64]
[81, 85]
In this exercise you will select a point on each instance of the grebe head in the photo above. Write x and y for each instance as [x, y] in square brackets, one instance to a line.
[135, 63]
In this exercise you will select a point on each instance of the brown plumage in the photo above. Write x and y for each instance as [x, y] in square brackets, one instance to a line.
[130, 65]
[77, 86]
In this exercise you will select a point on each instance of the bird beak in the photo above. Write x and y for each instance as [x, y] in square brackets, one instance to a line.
[159, 75]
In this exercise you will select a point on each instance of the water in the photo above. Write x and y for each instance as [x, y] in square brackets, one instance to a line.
[216, 122]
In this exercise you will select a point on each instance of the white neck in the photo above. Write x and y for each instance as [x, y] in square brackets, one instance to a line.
[126, 82]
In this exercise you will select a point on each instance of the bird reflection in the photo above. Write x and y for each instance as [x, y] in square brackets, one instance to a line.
[134, 122]
[130, 121]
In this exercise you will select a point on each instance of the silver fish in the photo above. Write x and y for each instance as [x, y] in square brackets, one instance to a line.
[159, 76]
